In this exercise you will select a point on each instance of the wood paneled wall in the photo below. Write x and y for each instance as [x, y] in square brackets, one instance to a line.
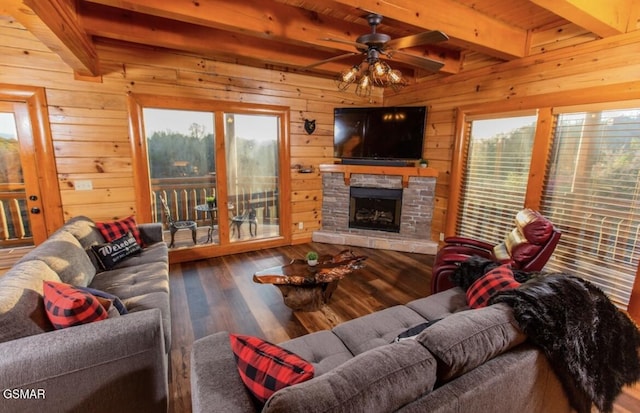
[603, 70]
[89, 118]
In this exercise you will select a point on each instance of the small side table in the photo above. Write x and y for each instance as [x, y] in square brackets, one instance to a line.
[210, 210]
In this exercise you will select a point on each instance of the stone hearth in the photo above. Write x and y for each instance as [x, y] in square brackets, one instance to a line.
[418, 188]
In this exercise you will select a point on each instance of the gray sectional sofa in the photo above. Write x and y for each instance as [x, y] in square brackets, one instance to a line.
[468, 361]
[114, 365]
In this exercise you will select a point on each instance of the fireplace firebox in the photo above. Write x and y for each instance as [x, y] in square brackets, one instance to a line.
[375, 208]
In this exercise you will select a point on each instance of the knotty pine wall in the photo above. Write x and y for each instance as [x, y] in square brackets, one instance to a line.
[601, 70]
[89, 120]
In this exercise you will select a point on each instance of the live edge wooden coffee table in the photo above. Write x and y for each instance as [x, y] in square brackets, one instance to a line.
[306, 288]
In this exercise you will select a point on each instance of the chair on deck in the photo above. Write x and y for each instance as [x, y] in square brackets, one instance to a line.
[174, 226]
[527, 247]
[249, 216]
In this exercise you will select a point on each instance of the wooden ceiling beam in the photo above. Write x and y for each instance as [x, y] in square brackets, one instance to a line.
[54, 23]
[279, 22]
[604, 18]
[132, 27]
[466, 27]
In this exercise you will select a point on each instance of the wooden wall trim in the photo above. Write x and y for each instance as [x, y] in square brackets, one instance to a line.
[540, 158]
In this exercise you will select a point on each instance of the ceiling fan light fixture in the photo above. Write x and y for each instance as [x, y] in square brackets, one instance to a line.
[371, 72]
[347, 77]
[364, 85]
[379, 71]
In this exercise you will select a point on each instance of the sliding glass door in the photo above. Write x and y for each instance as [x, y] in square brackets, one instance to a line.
[217, 165]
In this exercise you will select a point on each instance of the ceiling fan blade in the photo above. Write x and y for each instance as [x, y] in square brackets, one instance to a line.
[357, 45]
[331, 59]
[431, 37]
[421, 62]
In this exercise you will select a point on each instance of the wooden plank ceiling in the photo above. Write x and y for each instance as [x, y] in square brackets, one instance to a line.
[290, 35]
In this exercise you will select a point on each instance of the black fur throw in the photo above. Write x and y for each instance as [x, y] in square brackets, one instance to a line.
[591, 345]
[476, 266]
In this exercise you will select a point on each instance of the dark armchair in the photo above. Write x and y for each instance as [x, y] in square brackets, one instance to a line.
[527, 247]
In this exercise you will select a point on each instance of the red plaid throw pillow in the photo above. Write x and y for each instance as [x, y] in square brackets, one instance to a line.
[266, 368]
[113, 230]
[498, 279]
[68, 306]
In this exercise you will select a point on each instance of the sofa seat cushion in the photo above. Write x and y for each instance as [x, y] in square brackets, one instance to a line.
[159, 300]
[22, 310]
[380, 380]
[155, 253]
[133, 281]
[376, 329]
[323, 349]
[63, 253]
[465, 340]
[441, 304]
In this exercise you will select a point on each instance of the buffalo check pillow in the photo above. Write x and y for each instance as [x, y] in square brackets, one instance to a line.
[266, 368]
[67, 306]
[498, 279]
[113, 230]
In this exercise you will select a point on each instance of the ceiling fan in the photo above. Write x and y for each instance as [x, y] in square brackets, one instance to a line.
[382, 46]
[376, 46]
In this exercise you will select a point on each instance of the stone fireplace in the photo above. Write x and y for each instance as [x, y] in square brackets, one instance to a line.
[384, 207]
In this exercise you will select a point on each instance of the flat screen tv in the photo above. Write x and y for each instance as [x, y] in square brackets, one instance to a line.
[379, 133]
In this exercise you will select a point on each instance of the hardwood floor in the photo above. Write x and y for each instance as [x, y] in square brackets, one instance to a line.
[219, 294]
[8, 257]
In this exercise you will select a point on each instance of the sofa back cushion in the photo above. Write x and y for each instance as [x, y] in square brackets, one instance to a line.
[379, 380]
[63, 253]
[465, 340]
[85, 231]
[22, 310]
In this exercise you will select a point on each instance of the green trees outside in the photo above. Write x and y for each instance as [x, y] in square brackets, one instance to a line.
[10, 166]
[172, 154]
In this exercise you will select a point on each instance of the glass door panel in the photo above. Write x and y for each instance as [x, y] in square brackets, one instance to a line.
[182, 170]
[251, 143]
[15, 228]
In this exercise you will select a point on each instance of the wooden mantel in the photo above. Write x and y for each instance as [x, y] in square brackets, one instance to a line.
[404, 171]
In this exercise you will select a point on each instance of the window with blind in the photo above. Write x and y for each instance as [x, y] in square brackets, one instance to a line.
[495, 175]
[592, 194]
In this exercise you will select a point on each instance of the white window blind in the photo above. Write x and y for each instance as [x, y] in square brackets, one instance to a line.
[495, 175]
[592, 194]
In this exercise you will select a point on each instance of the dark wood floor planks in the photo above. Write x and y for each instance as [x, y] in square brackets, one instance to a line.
[218, 294]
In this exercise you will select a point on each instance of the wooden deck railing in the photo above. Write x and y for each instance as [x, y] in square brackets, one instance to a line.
[183, 194]
[15, 230]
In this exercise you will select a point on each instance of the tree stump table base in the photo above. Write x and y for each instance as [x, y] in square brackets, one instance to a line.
[307, 288]
[307, 298]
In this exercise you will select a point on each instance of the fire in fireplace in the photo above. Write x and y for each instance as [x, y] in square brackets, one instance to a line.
[375, 208]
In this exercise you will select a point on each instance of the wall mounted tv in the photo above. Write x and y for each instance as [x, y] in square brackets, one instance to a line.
[379, 134]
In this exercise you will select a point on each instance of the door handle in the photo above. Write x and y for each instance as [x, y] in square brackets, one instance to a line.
[35, 210]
